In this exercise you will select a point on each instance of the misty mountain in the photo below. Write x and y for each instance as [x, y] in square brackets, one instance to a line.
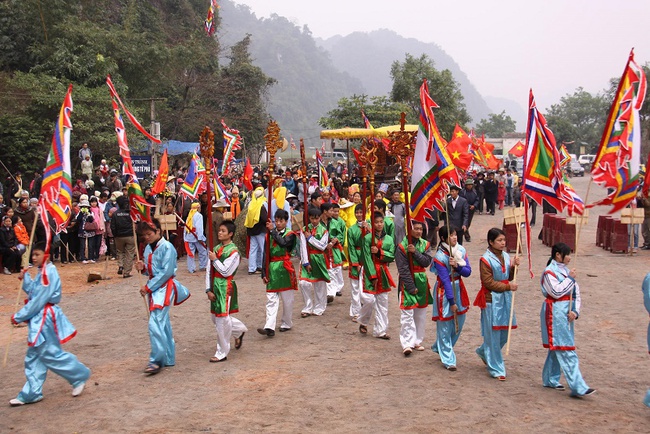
[368, 57]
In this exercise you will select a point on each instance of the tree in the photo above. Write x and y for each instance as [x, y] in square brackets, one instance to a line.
[578, 118]
[380, 110]
[243, 89]
[496, 125]
[445, 91]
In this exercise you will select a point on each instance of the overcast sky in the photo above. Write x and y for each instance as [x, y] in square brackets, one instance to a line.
[504, 46]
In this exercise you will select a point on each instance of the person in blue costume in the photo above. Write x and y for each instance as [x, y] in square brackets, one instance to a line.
[646, 301]
[48, 328]
[161, 290]
[494, 299]
[559, 312]
[450, 299]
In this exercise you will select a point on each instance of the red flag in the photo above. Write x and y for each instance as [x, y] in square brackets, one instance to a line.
[248, 176]
[517, 150]
[458, 149]
[163, 174]
[357, 154]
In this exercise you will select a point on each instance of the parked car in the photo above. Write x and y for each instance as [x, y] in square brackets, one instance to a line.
[576, 169]
[586, 159]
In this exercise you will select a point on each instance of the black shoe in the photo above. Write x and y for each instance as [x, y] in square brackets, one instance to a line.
[284, 329]
[339, 294]
[120, 270]
[558, 387]
[251, 272]
[268, 332]
[259, 270]
[330, 298]
[644, 247]
[589, 392]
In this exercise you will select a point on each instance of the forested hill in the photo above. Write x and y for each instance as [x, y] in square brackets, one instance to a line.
[368, 56]
[308, 83]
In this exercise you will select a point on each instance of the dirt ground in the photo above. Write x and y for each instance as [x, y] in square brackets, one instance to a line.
[323, 376]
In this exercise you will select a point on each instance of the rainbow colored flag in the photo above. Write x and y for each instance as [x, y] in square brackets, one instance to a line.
[618, 159]
[542, 179]
[209, 23]
[231, 142]
[433, 169]
[366, 122]
[220, 190]
[194, 178]
[323, 179]
[56, 188]
[565, 157]
[141, 210]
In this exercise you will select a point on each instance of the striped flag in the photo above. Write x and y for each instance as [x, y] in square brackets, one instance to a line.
[141, 210]
[617, 162]
[56, 189]
[433, 170]
[220, 190]
[210, 26]
[231, 143]
[293, 144]
[542, 178]
[366, 122]
[565, 158]
[194, 179]
[323, 180]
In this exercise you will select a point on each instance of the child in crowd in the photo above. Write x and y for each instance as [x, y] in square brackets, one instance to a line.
[559, 312]
[377, 281]
[162, 290]
[281, 278]
[494, 299]
[314, 275]
[222, 292]
[48, 328]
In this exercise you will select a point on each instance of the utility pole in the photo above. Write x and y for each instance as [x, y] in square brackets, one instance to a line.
[154, 130]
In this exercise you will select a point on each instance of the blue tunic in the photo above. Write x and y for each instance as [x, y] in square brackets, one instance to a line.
[444, 290]
[557, 331]
[160, 265]
[501, 301]
[48, 328]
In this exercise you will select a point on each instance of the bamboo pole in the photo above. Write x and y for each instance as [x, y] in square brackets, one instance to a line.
[514, 278]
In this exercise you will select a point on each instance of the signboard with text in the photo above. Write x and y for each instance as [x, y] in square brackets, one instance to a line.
[141, 165]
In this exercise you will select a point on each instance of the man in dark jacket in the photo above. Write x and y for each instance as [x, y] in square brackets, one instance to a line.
[491, 190]
[122, 228]
[471, 196]
[458, 211]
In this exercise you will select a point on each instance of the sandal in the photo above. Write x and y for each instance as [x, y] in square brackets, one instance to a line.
[152, 369]
[363, 329]
[217, 360]
[304, 314]
[385, 336]
[238, 341]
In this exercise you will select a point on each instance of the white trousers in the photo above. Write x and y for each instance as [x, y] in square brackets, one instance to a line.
[355, 303]
[273, 305]
[316, 299]
[379, 305]
[227, 327]
[413, 323]
[336, 280]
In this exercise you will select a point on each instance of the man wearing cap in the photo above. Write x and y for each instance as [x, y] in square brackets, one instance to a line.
[114, 183]
[471, 196]
[458, 212]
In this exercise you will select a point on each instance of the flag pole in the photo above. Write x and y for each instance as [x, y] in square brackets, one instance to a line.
[514, 278]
